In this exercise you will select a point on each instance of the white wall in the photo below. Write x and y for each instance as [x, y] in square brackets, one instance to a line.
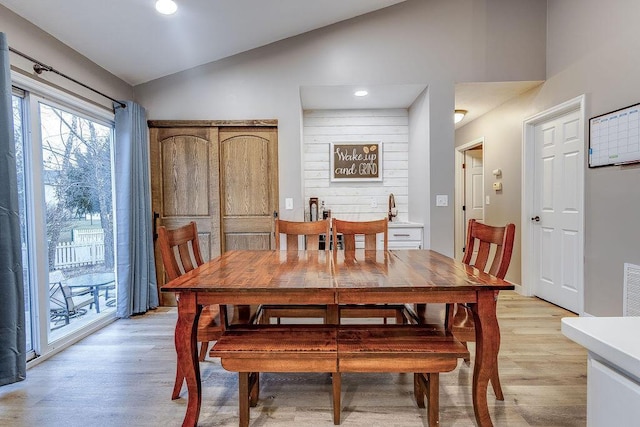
[419, 182]
[501, 130]
[593, 49]
[353, 200]
[426, 42]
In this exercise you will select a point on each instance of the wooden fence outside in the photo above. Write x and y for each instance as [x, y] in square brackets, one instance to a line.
[73, 254]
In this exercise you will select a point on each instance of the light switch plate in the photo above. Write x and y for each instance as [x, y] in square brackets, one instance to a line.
[288, 203]
[442, 200]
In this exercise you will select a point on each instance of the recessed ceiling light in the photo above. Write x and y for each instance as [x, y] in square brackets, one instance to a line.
[166, 7]
[361, 93]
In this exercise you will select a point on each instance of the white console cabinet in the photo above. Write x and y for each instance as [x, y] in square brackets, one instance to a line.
[401, 235]
[405, 235]
[613, 368]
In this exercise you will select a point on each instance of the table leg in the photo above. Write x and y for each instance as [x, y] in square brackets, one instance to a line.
[243, 399]
[96, 298]
[186, 350]
[487, 346]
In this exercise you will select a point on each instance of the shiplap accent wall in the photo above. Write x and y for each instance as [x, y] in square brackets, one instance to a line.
[353, 200]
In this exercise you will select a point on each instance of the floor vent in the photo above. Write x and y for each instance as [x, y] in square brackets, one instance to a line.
[631, 290]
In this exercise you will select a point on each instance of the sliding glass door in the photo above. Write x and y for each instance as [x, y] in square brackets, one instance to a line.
[64, 158]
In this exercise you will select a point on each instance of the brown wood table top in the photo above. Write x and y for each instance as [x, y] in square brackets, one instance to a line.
[261, 277]
[319, 277]
[407, 276]
[318, 270]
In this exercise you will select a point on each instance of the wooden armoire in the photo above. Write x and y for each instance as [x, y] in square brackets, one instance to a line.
[221, 174]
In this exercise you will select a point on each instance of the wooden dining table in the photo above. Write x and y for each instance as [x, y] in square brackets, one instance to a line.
[332, 278]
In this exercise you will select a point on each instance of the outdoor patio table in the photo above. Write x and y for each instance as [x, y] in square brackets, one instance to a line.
[94, 282]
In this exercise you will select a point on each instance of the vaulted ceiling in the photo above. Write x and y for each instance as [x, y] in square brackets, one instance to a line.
[134, 42]
[137, 44]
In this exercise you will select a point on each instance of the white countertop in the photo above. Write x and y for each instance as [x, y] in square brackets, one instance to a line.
[615, 340]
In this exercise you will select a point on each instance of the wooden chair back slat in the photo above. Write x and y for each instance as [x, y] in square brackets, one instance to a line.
[184, 241]
[484, 248]
[501, 238]
[292, 242]
[370, 230]
[185, 257]
[310, 230]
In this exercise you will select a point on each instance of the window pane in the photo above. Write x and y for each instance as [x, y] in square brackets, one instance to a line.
[76, 155]
[19, 141]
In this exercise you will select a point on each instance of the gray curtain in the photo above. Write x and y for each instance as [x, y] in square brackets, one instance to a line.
[13, 363]
[137, 285]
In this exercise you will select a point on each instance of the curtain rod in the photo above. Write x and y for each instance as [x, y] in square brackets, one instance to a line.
[39, 67]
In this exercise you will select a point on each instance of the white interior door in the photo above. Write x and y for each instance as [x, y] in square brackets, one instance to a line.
[557, 211]
[473, 186]
[460, 228]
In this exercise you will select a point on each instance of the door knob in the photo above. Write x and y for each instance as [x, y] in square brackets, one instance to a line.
[536, 218]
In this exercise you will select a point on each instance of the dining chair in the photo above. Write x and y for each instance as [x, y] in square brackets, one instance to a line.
[370, 230]
[180, 250]
[311, 231]
[488, 248]
[308, 233]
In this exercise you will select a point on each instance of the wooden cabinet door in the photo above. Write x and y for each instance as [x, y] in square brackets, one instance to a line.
[223, 176]
[185, 186]
[248, 187]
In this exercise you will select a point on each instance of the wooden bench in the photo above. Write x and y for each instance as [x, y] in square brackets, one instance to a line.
[346, 348]
[251, 349]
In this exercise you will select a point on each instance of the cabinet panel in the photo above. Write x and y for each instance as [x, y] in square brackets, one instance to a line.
[185, 178]
[184, 187]
[613, 399]
[248, 187]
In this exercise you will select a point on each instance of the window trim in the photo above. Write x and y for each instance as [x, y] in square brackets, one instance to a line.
[62, 98]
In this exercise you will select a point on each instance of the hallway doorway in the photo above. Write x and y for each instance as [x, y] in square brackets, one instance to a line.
[469, 190]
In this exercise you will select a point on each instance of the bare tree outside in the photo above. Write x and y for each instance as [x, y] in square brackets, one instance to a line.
[78, 187]
[64, 175]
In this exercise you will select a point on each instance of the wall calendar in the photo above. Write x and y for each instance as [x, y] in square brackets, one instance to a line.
[614, 138]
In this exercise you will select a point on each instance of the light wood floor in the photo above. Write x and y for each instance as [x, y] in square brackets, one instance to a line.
[123, 376]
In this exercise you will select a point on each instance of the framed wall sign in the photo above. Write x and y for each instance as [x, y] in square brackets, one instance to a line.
[356, 161]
